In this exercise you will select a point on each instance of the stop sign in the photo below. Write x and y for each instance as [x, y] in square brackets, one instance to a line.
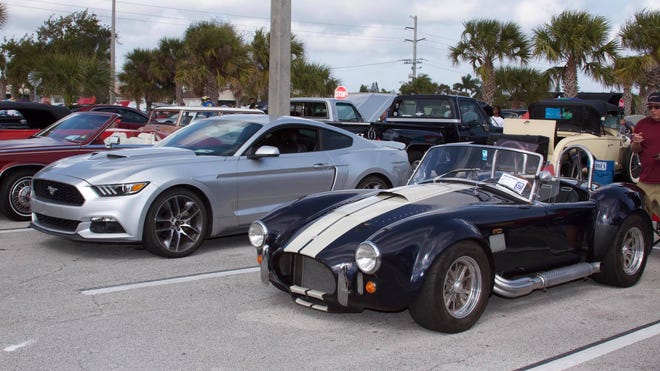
[341, 92]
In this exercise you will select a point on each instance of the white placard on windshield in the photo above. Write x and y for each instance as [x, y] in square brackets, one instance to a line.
[516, 184]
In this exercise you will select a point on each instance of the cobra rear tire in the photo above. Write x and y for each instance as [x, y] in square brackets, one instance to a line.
[176, 224]
[625, 261]
[15, 193]
[455, 290]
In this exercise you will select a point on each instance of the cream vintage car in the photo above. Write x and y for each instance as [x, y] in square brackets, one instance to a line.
[559, 123]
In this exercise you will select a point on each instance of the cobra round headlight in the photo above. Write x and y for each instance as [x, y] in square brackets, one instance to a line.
[367, 257]
[257, 233]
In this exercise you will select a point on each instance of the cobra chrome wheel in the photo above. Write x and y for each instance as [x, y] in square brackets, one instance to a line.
[455, 290]
[462, 287]
[176, 224]
[624, 262]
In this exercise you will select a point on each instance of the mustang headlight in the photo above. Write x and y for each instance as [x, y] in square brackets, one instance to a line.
[123, 189]
[367, 257]
[257, 233]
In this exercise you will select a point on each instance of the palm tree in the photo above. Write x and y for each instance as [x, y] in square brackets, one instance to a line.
[259, 55]
[483, 42]
[468, 86]
[3, 15]
[641, 35]
[72, 75]
[626, 72]
[422, 84]
[579, 41]
[215, 56]
[170, 55]
[138, 78]
[310, 79]
[519, 86]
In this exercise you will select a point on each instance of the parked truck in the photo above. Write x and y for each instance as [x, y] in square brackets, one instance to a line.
[341, 113]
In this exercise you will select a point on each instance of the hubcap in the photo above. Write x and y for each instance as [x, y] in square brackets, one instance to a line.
[20, 196]
[462, 287]
[179, 223]
[632, 251]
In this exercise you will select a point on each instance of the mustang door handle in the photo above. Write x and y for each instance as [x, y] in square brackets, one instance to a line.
[321, 166]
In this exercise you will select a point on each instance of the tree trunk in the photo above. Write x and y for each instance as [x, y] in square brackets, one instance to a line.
[570, 79]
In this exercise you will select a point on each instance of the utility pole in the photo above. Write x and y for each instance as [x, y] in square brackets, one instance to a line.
[279, 71]
[414, 40]
[111, 96]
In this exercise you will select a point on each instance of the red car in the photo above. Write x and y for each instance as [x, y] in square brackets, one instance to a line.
[77, 133]
[23, 119]
[131, 118]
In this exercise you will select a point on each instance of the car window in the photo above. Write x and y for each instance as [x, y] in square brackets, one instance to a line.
[290, 140]
[331, 140]
[469, 112]
[130, 116]
[212, 137]
[436, 108]
[347, 112]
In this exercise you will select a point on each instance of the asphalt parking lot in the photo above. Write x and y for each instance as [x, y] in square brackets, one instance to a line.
[70, 306]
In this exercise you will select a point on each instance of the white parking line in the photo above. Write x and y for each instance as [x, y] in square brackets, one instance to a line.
[168, 281]
[12, 348]
[3, 231]
[592, 352]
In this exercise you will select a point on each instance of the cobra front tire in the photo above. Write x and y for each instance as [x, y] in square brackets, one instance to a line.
[15, 193]
[625, 260]
[176, 224]
[455, 290]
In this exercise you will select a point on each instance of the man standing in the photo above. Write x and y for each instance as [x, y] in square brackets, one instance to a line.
[646, 142]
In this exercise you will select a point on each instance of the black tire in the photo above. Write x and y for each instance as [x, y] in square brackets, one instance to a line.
[625, 261]
[15, 192]
[414, 157]
[439, 306]
[631, 166]
[176, 224]
[373, 182]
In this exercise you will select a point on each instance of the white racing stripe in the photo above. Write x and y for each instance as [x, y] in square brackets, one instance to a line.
[327, 229]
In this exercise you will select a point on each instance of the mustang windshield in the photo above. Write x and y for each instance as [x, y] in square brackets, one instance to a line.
[212, 136]
[506, 168]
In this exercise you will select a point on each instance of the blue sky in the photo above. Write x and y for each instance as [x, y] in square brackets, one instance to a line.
[361, 41]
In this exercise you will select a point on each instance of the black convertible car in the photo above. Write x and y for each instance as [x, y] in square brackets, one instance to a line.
[474, 220]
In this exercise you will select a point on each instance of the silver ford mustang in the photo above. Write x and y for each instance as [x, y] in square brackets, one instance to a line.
[209, 179]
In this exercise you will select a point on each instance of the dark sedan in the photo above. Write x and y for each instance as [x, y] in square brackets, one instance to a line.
[77, 133]
[474, 220]
[23, 119]
[131, 118]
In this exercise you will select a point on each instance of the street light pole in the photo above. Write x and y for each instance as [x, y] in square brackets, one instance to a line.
[414, 41]
[279, 70]
[112, 56]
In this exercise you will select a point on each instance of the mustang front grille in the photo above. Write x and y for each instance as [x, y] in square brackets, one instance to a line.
[301, 270]
[56, 192]
[64, 225]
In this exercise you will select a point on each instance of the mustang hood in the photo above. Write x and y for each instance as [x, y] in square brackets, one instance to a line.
[121, 164]
[348, 225]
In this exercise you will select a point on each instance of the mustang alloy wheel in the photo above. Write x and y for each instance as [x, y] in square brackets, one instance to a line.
[372, 182]
[455, 289]
[625, 261]
[176, 224]
[15, 193]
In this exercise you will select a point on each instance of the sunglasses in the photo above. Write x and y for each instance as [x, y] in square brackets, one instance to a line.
[653, 106]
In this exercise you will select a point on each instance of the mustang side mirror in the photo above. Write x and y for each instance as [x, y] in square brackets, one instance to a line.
[265, 151]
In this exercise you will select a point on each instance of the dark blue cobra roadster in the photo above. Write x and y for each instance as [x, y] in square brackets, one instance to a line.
[474, 220]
